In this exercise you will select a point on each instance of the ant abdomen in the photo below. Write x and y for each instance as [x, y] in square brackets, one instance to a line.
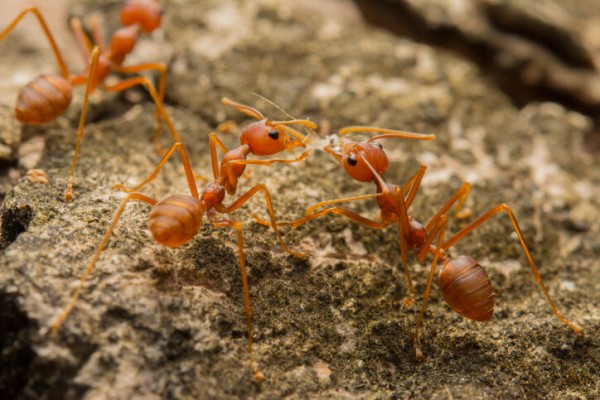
[467, 288]
[43, 99]
[175, 220]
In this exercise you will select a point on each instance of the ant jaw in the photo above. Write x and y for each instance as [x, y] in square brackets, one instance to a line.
[290, 144]
[334, 150]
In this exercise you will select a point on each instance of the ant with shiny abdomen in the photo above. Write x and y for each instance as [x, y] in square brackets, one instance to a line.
[47, 96]
[175, 220]
[464, 283]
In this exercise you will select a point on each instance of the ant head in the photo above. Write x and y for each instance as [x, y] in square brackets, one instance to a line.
[361, 160]
[265, 138]
[146, 13]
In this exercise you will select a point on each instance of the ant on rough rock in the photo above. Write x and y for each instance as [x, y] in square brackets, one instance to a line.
[47, 96]
[464, 283]
[175, 220]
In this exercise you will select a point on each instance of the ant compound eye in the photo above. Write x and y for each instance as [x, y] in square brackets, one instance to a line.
[378, 145]
[274, 134]
[352, 160]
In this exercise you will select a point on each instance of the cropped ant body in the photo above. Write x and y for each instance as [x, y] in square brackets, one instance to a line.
[47, 96]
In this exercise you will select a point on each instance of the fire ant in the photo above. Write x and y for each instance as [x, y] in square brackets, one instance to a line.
[464, 283]
[175, 220]
[47, 96]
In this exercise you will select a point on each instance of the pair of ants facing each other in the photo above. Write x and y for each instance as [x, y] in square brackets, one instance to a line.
[175, 220]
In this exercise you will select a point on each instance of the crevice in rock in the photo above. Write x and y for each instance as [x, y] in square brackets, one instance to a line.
[15, 220]
[16, 355]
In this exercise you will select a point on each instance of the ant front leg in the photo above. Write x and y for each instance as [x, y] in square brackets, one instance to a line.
[271, 161]
[485, 217]
[67, 310]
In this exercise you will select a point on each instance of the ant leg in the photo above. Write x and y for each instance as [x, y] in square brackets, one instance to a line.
[312, 208]
[245, 197]
[246, 288]
[162, 87]
[403, 230]
[496, 210]
[140, 80]
[83, 42]
[270, 161]
[311, 214]
[65, 312]
[412, 186]
[61, 63]
[459, 196]
[88, 89]
[186, 166]
[333, 210]
[97, 34]
[438, 229]
[215, 142]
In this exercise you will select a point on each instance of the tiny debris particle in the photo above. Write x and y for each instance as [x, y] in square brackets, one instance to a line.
[568, 286]
[323, 372]
[37, 176]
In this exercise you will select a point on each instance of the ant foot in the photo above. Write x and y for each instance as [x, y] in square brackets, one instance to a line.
[69, 195]
[419, 355]
[408, 302]
[259, 376]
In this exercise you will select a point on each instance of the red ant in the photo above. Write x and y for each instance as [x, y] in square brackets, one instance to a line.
[47, 96]
[464, 283]
[175, 220]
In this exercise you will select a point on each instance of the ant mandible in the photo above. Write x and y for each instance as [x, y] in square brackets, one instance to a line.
[175, 220]
[464, 283]
[47, 96]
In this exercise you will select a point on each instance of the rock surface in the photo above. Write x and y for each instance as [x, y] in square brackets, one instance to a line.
[161, 323]
[544, 50]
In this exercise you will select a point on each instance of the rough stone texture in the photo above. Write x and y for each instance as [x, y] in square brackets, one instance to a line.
[536, 50]
[160, 323]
